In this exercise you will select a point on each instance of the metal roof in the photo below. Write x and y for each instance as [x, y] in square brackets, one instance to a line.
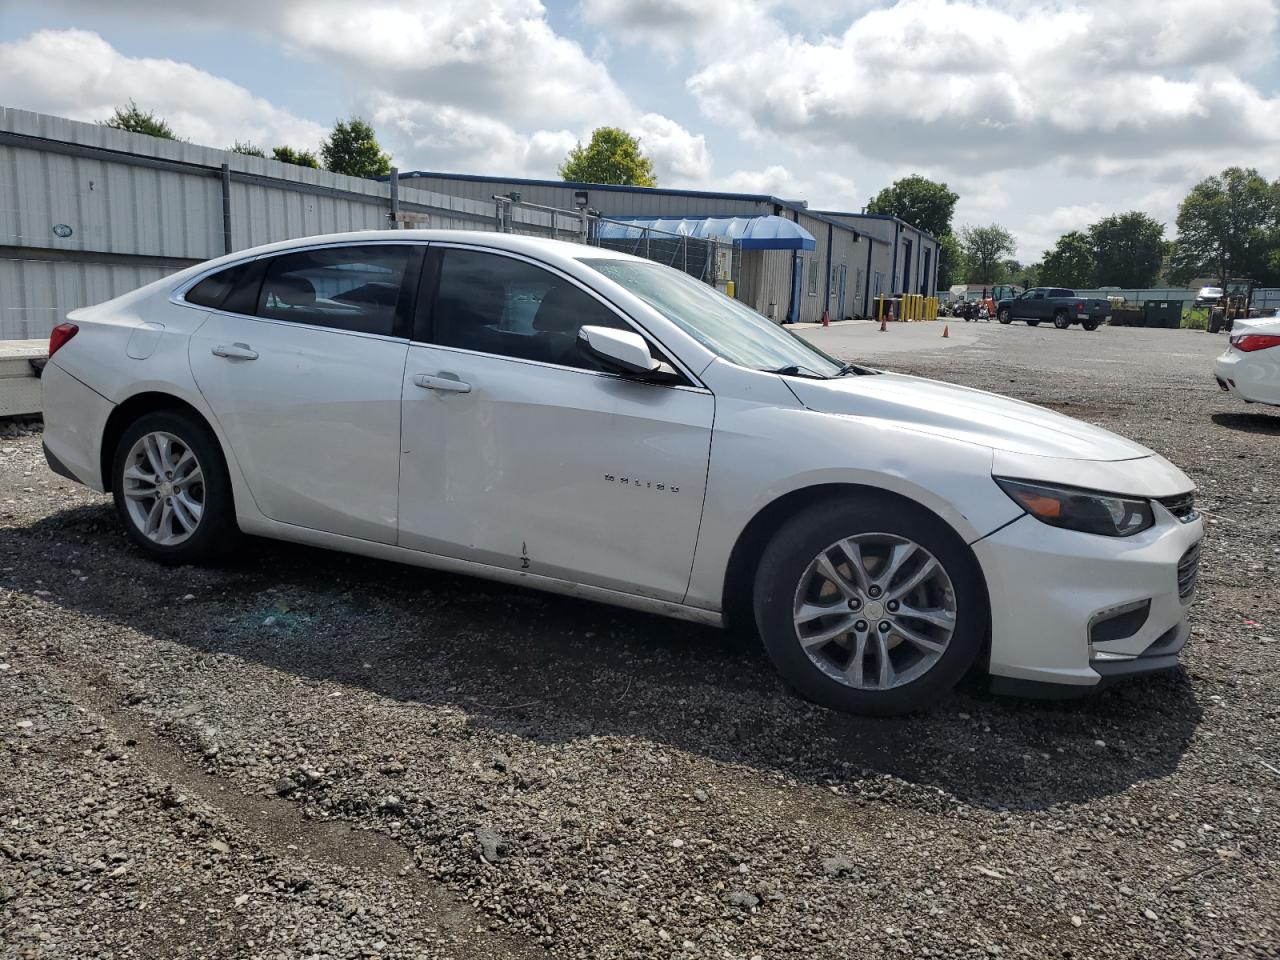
[766, 232]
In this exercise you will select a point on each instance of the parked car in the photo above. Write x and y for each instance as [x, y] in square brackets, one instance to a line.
[1209, 296]
[639, 439]
[1250, 367]
[1061, 306]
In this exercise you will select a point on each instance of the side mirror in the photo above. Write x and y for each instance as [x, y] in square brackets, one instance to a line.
[620, 350]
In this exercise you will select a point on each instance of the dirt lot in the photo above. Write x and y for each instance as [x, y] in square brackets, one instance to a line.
[308, 755]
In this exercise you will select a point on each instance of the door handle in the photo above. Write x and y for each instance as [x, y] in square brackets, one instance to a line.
[445, 383]
[237, 351]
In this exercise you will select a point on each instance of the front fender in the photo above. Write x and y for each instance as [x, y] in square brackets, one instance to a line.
[760, 454]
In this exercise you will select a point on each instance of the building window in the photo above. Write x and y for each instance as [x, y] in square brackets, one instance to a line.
[813, 277]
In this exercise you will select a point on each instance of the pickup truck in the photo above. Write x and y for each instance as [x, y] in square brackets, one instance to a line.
[1061, 306]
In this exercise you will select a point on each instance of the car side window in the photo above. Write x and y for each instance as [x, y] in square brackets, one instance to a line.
[495, 304]
[1037, 295]
[353, 288]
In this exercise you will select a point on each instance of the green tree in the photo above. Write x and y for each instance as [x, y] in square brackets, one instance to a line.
[352, 149]
[136, 120]
[1028, 276]
[612, 156]
[1227, 227]
[951, 265]
[1070, 263]
[1128, 250]
[984, 248]
[302, 158]
[919, 201]
[248, 149]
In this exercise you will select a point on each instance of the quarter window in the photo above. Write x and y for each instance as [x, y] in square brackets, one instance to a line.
[345, 288]
[213, 291]
[499, 305]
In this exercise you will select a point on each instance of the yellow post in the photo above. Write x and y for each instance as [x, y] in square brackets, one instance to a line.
[728, 288]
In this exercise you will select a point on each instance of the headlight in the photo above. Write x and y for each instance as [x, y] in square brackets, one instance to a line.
[1088, 511]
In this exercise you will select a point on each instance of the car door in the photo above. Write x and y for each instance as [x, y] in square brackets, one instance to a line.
[519, 451]
[1034, 306]
[303, 374]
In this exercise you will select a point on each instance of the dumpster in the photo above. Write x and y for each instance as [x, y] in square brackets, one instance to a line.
[1162, 313]
[1127, 317]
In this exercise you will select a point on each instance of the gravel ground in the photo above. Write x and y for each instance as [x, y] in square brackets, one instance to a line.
[308, 755]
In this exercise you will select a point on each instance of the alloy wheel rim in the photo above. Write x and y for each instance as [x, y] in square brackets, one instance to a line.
[163, 488]
[874, 611]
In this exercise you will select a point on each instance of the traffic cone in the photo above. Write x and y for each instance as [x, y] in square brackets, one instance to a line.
[826, 318]
[883, 326]
[946, 331]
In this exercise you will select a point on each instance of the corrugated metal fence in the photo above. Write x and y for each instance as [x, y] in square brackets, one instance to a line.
[88, 212]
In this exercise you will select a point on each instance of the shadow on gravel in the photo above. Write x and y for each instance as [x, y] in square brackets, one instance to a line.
[550, 669]
[1249, 422]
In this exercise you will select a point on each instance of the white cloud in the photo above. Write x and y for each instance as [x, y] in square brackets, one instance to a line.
[679, 157]
[450, 139]
[91, 78]
[1005, 86]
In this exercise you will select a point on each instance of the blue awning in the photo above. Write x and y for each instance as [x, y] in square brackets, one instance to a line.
[749, 233]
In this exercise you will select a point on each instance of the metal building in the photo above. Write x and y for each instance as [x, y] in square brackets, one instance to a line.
[89, 212]
[853, 258]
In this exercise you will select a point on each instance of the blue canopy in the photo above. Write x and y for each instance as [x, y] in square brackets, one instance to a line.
[749, 233]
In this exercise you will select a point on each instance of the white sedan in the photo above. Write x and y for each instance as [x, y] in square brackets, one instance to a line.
[590, 423]
[1250, 367]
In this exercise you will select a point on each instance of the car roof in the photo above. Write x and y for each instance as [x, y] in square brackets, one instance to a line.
[517, 243]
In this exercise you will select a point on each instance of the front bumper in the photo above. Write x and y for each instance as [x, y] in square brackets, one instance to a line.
[1075, 610]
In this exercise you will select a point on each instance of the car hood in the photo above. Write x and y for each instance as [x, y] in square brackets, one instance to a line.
[961, 413]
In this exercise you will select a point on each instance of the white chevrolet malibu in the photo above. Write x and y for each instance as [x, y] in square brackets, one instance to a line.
[590, 423]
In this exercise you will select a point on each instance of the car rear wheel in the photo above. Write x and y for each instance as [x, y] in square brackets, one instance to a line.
[1004, 316]
[1061, 320]
[871, 607]
[171, 489]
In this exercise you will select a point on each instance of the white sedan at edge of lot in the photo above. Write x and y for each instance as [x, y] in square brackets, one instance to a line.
[587, 422]
[1250, 366]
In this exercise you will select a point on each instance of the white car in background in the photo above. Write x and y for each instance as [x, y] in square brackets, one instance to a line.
[591, 423]
[1250, 367]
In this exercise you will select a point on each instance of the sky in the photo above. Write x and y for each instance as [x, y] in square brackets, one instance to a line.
[1043, 115]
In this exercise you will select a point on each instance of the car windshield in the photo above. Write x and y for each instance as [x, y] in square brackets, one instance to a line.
[721, 324]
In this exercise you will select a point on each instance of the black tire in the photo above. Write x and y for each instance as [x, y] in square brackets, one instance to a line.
[787, 558]
[1089, 325]
[1004, 316]
[1061, 319]
[215, 532]
[1033, 323]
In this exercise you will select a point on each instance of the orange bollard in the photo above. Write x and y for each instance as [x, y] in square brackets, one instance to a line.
[946, 331]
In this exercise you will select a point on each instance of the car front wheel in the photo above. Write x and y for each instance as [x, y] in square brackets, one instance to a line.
[171, 489]
[871, 607]
[1004, 316]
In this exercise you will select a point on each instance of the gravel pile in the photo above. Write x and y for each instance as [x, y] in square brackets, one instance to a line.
[309, 755]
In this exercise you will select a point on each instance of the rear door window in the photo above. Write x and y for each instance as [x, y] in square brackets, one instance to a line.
[361, 289]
